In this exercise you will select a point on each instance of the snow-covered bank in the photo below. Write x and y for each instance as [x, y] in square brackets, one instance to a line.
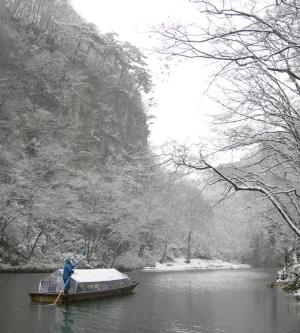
[179, 264]
[289, 279]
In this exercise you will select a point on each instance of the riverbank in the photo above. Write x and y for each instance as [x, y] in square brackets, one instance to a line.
[5, 268]
[179, 264]
[127, 266]
[123, 264]
[48, 269]
[289, 280]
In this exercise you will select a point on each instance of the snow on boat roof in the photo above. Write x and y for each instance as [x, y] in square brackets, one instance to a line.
[97, 275]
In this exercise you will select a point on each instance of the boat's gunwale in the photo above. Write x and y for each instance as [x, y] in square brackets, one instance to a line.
[82, 295]
[56, 293]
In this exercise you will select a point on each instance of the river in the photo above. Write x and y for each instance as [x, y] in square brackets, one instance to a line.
[223, 301]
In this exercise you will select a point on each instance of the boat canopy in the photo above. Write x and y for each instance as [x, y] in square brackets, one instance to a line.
[97, 275]
[86, 280]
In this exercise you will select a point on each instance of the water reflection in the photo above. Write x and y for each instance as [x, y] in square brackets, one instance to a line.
[185, 302]
[67, 320]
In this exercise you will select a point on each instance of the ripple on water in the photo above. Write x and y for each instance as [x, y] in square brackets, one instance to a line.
[235, 301]
[211, 281]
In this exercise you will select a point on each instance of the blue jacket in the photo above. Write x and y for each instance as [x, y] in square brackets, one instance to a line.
[68, 269]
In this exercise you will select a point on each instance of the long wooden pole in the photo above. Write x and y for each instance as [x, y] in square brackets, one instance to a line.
[61, 291]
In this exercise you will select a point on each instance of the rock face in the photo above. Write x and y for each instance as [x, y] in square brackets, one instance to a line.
[64, 78]
[71, 115]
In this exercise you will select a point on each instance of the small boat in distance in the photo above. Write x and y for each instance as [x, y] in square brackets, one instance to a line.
[86, 284]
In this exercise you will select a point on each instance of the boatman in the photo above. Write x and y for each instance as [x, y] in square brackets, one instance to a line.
[68, 271]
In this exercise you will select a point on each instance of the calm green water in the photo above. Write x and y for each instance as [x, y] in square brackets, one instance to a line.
[186, 302]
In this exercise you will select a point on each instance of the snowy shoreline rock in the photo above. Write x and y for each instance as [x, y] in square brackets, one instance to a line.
[179, 264]
[289, 279]
[297, 294]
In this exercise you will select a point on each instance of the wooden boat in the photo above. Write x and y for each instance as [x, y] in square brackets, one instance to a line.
[86, 284]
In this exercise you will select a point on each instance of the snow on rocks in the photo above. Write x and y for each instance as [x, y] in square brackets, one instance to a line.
[289, 278]
[180, 264]
[297, 294]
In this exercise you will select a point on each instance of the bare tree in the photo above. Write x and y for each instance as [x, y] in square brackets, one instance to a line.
[6, 214]
[286, 202]
[257, 49]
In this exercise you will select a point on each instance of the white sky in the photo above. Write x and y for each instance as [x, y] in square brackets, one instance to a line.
[181, 106]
